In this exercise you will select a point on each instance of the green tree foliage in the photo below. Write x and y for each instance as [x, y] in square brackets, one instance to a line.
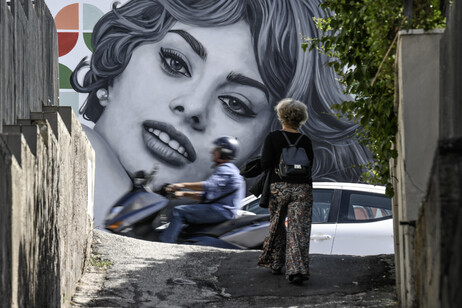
[360, 39]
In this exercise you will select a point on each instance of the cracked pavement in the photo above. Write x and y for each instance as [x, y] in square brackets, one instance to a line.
[151, 274]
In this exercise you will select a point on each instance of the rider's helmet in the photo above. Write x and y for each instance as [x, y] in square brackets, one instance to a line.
[228, 146]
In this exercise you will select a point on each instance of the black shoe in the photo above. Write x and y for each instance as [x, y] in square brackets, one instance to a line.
[276, 271]
[297, 279]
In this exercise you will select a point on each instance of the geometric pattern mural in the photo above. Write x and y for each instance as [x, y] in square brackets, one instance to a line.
[74, 23]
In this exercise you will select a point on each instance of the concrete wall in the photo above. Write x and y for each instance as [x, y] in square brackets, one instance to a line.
[437, 254]
[428, 169]
[418, 83]
[28, 59]
[46, 167]
[446, 189]
[451, 77]
[47, 172]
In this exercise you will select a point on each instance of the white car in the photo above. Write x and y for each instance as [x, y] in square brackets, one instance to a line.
[348, 219]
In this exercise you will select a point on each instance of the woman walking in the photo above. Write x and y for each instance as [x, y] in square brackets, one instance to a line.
[291, 198]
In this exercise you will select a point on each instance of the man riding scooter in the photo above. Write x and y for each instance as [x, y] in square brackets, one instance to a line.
[220, 195]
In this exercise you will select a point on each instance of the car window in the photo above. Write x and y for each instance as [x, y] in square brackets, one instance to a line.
[362, 207]
[322, 201]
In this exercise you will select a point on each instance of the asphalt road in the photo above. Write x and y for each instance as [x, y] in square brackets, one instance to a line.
[150, 274]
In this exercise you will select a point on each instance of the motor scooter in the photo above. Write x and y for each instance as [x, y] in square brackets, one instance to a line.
[143, 214]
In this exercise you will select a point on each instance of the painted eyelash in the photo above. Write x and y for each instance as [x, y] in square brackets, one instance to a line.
[248, 112]
[170, 53]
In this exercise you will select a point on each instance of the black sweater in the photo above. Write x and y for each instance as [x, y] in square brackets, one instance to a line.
[272, 149]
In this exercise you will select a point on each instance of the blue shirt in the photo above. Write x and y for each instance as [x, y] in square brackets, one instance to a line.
[225, 179]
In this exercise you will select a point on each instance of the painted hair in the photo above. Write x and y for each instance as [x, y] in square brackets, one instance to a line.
[276, 27]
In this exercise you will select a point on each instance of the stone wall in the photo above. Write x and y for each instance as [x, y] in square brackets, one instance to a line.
[46, 167]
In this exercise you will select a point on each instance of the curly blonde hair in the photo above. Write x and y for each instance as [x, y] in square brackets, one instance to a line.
[291, 113]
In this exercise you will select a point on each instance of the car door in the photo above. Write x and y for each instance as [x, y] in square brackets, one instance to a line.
[324, 220]
[326, 204]
[365, 225]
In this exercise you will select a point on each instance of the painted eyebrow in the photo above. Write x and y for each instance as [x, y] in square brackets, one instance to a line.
[244, 80]
[193, 42]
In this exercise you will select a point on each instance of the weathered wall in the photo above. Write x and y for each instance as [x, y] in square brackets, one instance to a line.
[46, 167]
[46, 235]
[442, 213]
[451, 79]
[418, 80]
[437, 255]
[28, 59]
[429, 236]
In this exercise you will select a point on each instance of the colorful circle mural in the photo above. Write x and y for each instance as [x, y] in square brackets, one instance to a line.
[73, 21]
[67, 19]
[69, 25]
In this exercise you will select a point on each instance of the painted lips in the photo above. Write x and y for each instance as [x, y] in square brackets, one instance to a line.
[168, 144]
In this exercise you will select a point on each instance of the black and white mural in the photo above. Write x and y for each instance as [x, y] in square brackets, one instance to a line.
[162, 79]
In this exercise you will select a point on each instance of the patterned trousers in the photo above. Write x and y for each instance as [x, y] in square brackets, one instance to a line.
[288, 245]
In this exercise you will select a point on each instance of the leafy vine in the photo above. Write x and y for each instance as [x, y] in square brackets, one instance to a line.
[359, 37]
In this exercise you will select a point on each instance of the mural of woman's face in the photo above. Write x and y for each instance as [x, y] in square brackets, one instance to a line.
[178, 95]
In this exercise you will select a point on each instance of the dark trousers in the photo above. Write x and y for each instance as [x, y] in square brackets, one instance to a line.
[288, 242]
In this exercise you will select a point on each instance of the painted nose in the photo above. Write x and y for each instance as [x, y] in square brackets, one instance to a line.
[195, 117]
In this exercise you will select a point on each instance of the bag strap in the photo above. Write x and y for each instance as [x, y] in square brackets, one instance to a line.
[299, 138]
[288, 141]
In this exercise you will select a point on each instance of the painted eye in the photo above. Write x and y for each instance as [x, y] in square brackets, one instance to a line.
[236, 106]
[174, 63]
